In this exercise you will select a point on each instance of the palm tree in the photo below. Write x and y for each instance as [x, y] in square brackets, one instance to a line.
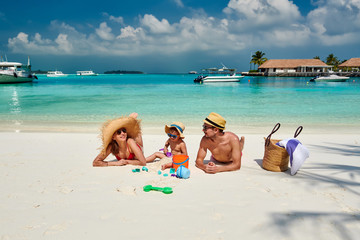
[332, 60]
[316, 57]
[258, 58]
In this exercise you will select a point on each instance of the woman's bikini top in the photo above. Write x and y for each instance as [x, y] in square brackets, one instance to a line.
[131, 155]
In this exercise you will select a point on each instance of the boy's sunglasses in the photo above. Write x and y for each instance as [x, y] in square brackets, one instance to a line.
[172, 136]
[118, 132]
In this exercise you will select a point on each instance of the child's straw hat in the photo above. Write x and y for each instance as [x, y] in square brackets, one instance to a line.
[178, 126]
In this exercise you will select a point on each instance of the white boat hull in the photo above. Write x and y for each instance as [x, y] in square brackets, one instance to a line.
[222, 79]
[331, 78]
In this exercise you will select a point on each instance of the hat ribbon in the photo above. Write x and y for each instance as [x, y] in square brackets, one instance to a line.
[178, 127]
[215, 124]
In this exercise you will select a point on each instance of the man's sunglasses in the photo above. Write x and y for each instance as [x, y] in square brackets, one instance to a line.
[172, 136]
[118, 132]
[206, 127]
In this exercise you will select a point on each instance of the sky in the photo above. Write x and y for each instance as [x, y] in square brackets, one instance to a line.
[174, 36]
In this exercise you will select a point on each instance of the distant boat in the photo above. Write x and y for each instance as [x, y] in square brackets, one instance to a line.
[14, 72]
[193, 72]
[55, 74]
[86, 73]
[212, 75]
[330, 78]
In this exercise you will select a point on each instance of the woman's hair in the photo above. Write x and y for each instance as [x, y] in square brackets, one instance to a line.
[114, 147]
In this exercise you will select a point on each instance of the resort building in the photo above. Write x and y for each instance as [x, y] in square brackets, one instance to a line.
[279, 67]
[351, 65]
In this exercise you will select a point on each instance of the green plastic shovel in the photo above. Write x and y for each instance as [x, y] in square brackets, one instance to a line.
[166, 190]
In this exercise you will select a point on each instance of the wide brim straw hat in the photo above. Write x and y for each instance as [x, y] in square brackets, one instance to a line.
[108, 129]
[180, 127]
[215, 120]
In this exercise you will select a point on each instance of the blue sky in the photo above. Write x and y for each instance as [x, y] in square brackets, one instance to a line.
[174, 36]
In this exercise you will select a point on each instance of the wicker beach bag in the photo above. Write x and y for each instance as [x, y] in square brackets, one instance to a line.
[276, 158]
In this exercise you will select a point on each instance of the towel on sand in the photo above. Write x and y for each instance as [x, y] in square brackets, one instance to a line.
[298, 153]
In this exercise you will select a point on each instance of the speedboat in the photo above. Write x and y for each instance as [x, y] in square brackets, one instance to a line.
[55, 74]
[14, 72]
[86, 73]
[212, 75]
[330, 78]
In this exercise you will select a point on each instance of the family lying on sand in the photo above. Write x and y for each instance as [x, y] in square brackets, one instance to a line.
[122, 137]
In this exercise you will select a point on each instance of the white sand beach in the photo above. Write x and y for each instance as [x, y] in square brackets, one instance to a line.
[49, 190]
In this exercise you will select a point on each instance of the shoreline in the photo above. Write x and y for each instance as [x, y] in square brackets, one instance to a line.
[193, 129]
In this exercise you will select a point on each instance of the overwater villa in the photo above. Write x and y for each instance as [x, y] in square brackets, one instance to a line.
[294, 67]
[351, 65]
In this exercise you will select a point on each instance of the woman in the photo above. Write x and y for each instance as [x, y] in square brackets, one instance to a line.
[121, 137]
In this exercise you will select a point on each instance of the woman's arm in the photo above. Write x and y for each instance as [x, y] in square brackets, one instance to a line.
[99, 160]
[140, 158]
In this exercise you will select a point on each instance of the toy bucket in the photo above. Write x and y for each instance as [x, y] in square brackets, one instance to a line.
[179, 160]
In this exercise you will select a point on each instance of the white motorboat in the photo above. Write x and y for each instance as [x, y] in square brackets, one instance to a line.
[86, 73]
[330, 78]
[14, 72]
[212, 75]
[55, 74]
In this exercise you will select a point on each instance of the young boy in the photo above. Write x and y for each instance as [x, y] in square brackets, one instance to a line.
[175, 141]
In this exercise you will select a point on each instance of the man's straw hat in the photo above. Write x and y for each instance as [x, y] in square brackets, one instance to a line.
[215, 120]
[178, 126]
[108, 129]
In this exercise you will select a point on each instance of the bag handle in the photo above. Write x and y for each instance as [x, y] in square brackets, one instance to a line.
[277, 126]
[298, 131]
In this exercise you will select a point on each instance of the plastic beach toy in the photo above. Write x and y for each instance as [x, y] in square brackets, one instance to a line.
[166, 190]
[183, 172]
[180, 160]
[168, 154]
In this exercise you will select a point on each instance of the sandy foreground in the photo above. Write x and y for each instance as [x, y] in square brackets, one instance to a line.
[49, 190]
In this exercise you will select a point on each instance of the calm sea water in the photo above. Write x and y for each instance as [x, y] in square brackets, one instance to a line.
[160, 99]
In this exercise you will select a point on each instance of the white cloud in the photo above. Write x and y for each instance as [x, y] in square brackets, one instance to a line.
[336, 22]
[129, 32]
[117, 19]
[104, 32]
[154, 25]
[264, 12]
[248, 24]
[179, 3]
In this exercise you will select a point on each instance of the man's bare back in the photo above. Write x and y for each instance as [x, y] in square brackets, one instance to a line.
[221, 149]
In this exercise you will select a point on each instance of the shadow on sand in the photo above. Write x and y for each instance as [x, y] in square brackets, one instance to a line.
[338, 148]
[338, 223]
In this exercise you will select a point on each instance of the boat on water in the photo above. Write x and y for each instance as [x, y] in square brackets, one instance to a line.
[86, 73]
[213, 75]
[330, 78]
[55, 74]
[14, 72]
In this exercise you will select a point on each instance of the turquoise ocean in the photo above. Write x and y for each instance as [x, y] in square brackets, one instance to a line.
[86, 102]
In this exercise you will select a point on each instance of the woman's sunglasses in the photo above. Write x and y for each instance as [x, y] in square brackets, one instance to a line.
[172, 136]
[118, 132]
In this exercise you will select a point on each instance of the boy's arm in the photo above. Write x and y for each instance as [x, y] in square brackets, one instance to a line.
[183, 148]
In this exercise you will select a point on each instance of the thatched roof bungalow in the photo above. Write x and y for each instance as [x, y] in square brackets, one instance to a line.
[352, 63]
[278, 66]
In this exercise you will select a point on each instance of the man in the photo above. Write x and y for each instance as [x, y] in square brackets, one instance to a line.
[225, 147]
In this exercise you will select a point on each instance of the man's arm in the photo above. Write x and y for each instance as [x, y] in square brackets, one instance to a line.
[199, 163]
